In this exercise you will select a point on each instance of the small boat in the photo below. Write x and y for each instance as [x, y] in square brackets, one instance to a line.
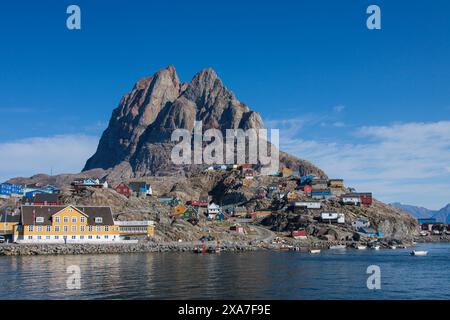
[314, 251]
[361, 247]
[393, 247]
[338, 247]
[376, 247]
[419, 253]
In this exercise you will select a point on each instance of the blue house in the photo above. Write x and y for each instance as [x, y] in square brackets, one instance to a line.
[426, 220]
[9, 189]
[321, 194]
[370, 232]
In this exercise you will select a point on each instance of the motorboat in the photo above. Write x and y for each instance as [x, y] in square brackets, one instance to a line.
[314, 251]
[419, 253]
[338, 247]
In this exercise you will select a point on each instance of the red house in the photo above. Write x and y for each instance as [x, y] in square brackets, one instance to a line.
[124, 189]
[299, 234]
[366, 198]
[45, 199]
[307, 189]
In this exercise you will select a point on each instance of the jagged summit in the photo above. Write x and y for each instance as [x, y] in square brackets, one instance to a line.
[137, 140]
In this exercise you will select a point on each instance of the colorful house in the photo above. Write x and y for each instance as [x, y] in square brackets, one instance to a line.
[332, 217]
[9, 218]
[124, 189]
[426, 220]
[351, 199]
[311, 204]
[299, 234]
[319, 184]
[10, 190]
[141, 188]
[361, 223]
[336, 183]
[81, 184]
[43, 199]
[322, 194]
[213, 210]
[66, 224]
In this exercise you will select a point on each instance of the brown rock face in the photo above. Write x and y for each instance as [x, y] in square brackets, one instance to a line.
[137, 140]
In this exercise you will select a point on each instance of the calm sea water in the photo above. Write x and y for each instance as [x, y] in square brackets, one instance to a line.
[252, 275]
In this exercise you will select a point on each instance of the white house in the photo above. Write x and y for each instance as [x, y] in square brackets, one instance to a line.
[307, 204]
[361, 223]
[332, 217]
[351, 199]
[213, 210]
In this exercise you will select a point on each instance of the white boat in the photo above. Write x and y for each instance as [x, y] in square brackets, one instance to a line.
[376, 247]
[393, 247]
[314, 251]
[361, 247]
[419, 253]
[337, 247]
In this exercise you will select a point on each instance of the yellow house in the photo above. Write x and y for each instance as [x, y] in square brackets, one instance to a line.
[66, 224]
[9, 217]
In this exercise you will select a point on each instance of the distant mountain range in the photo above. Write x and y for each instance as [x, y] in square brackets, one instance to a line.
[442, 215]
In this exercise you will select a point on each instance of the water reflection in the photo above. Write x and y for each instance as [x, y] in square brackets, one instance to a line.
[253, 275]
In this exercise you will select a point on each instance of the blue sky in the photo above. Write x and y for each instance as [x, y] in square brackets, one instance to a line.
[343, 96]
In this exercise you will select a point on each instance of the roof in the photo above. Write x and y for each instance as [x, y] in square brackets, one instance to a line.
[357, 194]
[137, 185]
[45, 197]
[9, 214]
[48, 211]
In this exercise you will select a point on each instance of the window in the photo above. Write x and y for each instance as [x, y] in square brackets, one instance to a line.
[56, 228]
[82, 219]
[106, 237]
[74, 228]
[98, 219]
[89, 237]
[98, 237]
[74, 219]
[30, 228]
[47, 237]
[81, 228]
[99, 228]
[81, 237]
[66, 219]
[39, 238]
[56, 237]
[57, 219]
[106, 228]
[39, 229]
[48, 228]
[90, 228]
[65, 228]
[39, 219]
[30, 237]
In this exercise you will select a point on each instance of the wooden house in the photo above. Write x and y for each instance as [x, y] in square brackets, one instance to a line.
[336, 183]
[124, 189]
[332, 217]
[299, 234]
[141, 188]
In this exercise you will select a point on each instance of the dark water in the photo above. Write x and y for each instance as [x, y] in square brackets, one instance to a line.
[252, 275]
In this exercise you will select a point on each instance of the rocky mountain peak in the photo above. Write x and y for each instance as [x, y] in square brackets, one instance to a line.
[137, 140]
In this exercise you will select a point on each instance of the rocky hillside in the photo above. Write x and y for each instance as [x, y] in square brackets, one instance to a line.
[137, 140]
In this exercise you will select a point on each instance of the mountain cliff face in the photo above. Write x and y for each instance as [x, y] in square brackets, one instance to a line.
[137, 140]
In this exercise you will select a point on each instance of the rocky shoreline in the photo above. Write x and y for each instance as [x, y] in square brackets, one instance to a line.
[144, 247]
[73, 249]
